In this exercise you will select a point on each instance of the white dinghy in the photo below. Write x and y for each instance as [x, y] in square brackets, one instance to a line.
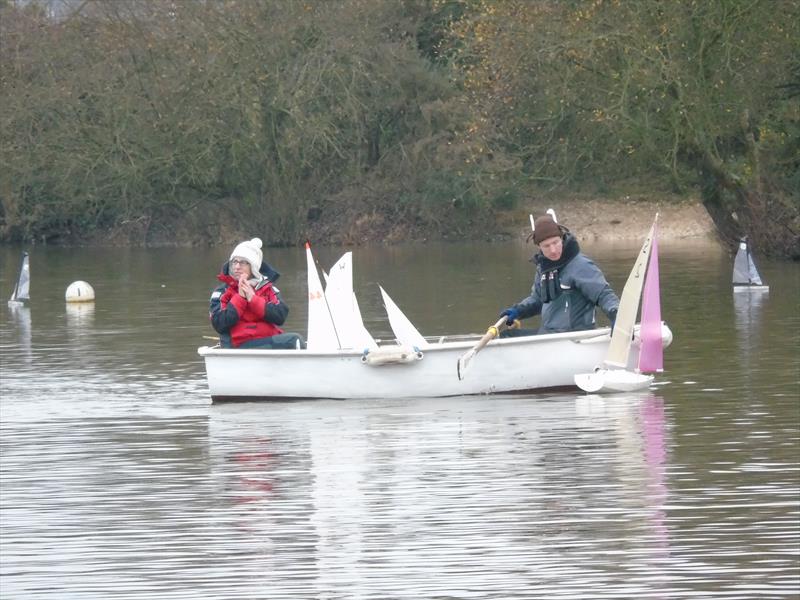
[651, 359]
[22, 287]
[745, 273]
[338, 365]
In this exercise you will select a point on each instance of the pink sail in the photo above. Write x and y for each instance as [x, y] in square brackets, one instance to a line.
[651, 355]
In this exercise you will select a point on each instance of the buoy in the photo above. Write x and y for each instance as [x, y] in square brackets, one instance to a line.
[79, 291]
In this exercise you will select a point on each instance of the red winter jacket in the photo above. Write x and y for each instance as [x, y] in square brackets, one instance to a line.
[232, 315]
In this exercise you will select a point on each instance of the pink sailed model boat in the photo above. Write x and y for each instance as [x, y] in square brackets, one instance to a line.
[642, 284]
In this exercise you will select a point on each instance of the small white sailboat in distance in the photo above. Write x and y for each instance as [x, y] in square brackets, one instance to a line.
[651, 353]
[745, 274]
[22, 287]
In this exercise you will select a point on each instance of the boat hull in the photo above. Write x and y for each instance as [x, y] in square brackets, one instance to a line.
[612, 381]
[504, 365]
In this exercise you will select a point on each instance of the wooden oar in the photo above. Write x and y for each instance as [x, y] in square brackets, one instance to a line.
[491, 333]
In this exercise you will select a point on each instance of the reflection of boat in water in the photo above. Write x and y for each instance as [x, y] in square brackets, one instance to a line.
[748, 308]
[745, 273]
[641, 436]
[21, 316]
[409, 485]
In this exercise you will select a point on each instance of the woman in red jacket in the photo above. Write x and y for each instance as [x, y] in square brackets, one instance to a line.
[247, 309]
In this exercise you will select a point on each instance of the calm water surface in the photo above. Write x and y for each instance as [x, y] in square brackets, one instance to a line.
[119, 479]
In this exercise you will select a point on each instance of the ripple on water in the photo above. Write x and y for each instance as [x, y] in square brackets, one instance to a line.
[467, 497]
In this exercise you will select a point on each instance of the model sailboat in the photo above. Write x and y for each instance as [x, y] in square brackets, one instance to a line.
[745, 274]
[643, 283]
[22, 287]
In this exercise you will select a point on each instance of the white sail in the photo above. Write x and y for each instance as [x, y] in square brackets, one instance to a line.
[745, 273]
[621, 339]
[22, 287]
[741, 268]
[755, 278]
[344, 306]
[404, 331]
[321, 331]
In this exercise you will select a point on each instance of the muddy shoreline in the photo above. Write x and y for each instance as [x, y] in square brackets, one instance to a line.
[622, 219]
[589, 219]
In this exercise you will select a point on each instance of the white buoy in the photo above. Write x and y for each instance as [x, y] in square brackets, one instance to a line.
[79, 291]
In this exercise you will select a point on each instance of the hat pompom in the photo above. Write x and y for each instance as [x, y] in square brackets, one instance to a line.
[257, 243]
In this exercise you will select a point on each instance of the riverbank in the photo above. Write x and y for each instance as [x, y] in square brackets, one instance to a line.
[628, 217]
[589, 218]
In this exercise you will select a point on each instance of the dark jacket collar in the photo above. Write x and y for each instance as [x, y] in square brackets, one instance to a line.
[570, 251]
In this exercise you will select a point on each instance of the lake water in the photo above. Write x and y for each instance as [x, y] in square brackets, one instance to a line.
[119, 478]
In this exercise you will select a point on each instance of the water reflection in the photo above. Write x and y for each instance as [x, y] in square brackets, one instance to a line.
[458, 495]
[120, 480]
[20, 316]
[748, 308]
[80, 316]
[103, 507]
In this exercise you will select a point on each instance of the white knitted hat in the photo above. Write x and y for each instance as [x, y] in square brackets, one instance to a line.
[251, 252]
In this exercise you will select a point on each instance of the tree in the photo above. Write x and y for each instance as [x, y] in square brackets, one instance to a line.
[699, 92]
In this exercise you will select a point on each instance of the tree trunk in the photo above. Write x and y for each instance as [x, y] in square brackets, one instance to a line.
[756, 209]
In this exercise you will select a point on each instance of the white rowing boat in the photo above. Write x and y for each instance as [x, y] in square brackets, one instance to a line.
[505, 365]
[344, 361]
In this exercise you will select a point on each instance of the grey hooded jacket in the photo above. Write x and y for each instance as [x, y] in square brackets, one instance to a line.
[566, 291]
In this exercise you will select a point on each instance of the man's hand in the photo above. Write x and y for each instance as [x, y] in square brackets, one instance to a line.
[511, 315]
[612, 316]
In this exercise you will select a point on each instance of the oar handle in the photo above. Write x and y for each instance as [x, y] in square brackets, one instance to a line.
[492, 332]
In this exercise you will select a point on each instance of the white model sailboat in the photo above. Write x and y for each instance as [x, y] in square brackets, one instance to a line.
[745, 274]
[335, 322]
[644, 275]
[22, 287]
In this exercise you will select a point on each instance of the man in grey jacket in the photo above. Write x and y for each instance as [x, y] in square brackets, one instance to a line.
[567, 286]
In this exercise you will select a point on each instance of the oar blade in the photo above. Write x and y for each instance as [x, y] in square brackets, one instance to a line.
[465, 359]
[463, 363]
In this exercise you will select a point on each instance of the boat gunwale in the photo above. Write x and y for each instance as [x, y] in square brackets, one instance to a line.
[435, 347]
